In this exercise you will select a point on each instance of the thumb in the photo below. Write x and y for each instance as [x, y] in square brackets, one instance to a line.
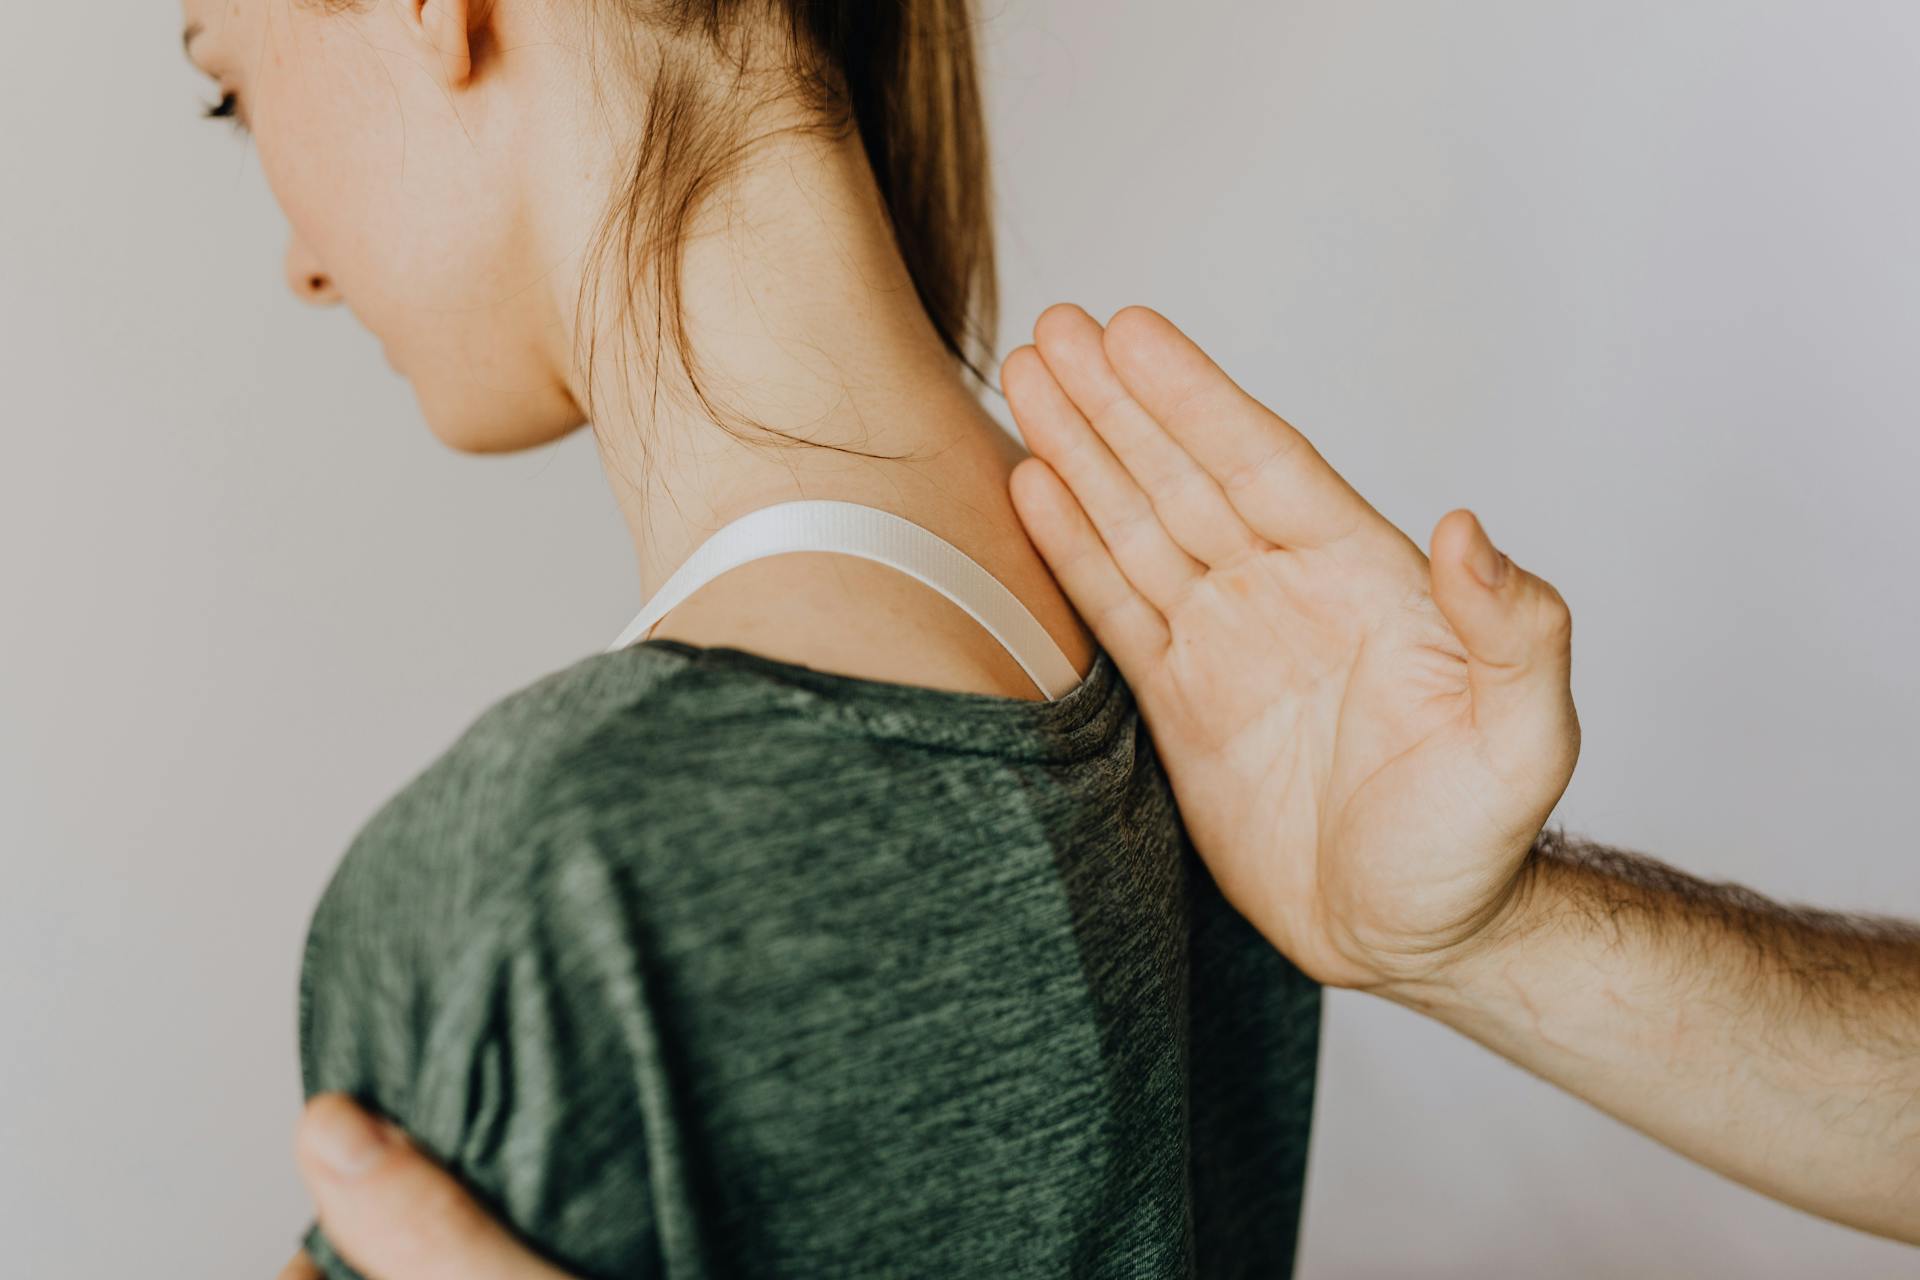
[393, 1213]
[1518, 634]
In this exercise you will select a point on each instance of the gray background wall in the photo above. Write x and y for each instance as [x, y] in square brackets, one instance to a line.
[1637, 281]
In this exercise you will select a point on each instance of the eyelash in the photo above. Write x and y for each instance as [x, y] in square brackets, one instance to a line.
[226, 109]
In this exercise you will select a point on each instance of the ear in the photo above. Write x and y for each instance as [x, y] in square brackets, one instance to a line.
[444, 26]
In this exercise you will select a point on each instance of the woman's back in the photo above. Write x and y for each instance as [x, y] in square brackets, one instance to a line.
[694, 962]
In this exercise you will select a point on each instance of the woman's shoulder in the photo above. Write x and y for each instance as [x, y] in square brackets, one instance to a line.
[665, 746]
[473, 803]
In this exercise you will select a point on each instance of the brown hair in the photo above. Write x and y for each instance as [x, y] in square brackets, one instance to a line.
[903, 72]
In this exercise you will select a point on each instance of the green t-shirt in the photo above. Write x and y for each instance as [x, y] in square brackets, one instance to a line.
[693, 963]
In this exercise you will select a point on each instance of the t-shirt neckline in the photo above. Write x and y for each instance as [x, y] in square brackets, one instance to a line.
[1077, 723]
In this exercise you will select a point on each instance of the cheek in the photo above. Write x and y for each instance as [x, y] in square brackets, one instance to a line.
[357, 155]
[415, 223]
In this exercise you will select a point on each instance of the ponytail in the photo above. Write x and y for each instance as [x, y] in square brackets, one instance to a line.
[903, 72]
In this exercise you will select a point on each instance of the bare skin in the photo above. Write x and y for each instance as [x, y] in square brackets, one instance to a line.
[1365, 741]
[1280, 634]
[442, 166]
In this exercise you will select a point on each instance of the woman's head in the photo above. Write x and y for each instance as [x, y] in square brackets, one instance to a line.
[431, 154]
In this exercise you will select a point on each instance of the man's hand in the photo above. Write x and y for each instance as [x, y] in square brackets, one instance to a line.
[391, 1211]
[1364, 742]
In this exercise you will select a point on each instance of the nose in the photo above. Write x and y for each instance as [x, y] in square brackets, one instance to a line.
[305, 276]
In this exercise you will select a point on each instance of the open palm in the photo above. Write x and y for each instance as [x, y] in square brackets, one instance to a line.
[1363, 741]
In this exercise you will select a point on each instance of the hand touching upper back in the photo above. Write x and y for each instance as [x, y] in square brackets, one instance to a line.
[1363, 741]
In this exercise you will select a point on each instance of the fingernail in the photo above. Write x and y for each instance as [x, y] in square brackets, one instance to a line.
[349, 1141]
[1487, 564]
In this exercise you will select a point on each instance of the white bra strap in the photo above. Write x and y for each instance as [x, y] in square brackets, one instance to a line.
[856, 529]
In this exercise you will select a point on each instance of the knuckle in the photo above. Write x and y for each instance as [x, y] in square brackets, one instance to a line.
[1556, 617]
[1250, 475]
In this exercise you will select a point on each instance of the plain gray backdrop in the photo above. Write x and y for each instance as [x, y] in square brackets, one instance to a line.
[1638, 282]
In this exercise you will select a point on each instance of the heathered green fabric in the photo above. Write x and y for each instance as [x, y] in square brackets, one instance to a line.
[695, 963]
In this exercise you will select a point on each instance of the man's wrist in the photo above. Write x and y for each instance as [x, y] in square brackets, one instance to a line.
[1729, 1026]
[1456, 976]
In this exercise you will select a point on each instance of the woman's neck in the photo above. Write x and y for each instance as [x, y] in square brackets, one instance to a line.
[802, 317]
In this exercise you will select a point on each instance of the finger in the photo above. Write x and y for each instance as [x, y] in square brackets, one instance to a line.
[1187, 500]
[1125, 622]
[300, 1267]
[1271, 474]
[1517, 631]
[392, 1212]
[1127, 523]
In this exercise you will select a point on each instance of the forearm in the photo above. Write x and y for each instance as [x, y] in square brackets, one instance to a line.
[1778, 1045]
